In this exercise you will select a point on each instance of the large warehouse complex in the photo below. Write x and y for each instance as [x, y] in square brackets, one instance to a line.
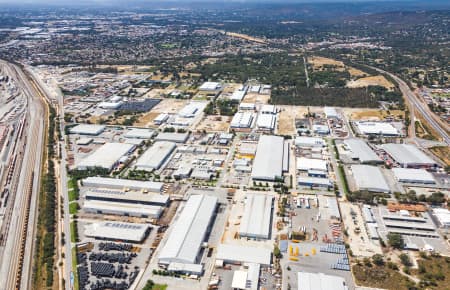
[117, 231]
[410, 175]
[369, 178]
[361, 151]
[88, 129]
[189, 231]
[258, 207]
[270, 155]
[127, 197]
[106, 156]
[122, 209]
[377, 128]
[123, 184]
[408, 155]
[155, 156]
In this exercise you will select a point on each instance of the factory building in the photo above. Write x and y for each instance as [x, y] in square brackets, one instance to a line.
[320, 281]
[309, 142]
[189, 231]
[314, 182]
[369, 178]
[443, 217]
[118, 183]
[408, 156]
[361, 152]
[117, 231]
[331, 113]
[210, 86]
[136, 133]
[321, 129]
[405, 224]
[88, 129]
[268, 109]
[132, 197]
[243, 254]
[242, 120]
[238, 95]
[122, 209]
[377, 128]
[266, 122]
[161, 119]
[247, 106]
[192, 109]
[268, 163]
[155, 156]
[410, 175]
[307, 164]
[246, 279]
[258, 207]
[106, 156]
[172, 137]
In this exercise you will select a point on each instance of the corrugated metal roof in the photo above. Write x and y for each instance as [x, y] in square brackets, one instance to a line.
[413, 175]
[407, 154]
[122, 183]
[320, 281]
[369, 178]
[244, 254]
[155, 156]
[268, 163]
[105, 156]
[258, 207]
[362, 151]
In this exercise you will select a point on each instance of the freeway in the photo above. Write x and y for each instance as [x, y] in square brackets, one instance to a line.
[16, 255]
[421, 107]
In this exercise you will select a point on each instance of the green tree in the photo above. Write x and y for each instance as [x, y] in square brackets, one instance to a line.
[395, 240]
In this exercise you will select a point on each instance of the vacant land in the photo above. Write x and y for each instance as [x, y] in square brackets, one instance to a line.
[380, 277]
[256, 98]
[371, 81]
[319, 63]
[215, 124]
[435, 270]
[287, 116]
[146, 120]
[443, 153]
[373, 114]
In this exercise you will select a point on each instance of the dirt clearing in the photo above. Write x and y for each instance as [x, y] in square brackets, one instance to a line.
[371, 81]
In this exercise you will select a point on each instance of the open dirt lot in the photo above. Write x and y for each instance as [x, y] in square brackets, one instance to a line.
[215, 124]
[287, 116]
[147, 120]
[371, 114]
[256, 98]
[318, 63]
[370, 81]
[170, 106]
[354, 72]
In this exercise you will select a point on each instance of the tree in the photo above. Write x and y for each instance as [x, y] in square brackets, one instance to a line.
[395, 240]
[378, 260]
[404, 258]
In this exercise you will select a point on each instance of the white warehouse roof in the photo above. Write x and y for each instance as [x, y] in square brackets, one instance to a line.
[268, 163]
[266, 121]
[443, 216]
[377, 128]
[362, 151]
[192, 109]
[320, 281]
[128, 209]
[119, 183]
[189, 231]
[242, 120]
[330, 112]
[106, 156]
[209, 86]
[117, 231]
[268, 109]
[306, 164]
[127, 197]
[369, 178]
[258, 207]
[302, 141]
[87, 129]
[410, 175]
[155, 156]
[244, 254]
[238, 95]
[407, 155]
[172, 137]
[139, 133]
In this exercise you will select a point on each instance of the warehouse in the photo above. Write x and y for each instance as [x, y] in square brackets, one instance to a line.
[210, 86]
[306, 181]
[172, 137]
[182, 172]
[107, 156]
[443, 217]
[268, 163]
[192, 109]
[321, 129]
[118, 183]
[87, 129]
[258, 207]
[247, 106]
[377, 128]
[155, 156]
[369, 178]
[306, 164]
[408, 155]
[242, 120]
[110, 105]
[161, 119]
[247, 279]
[320, 281]
[122, 209]
[367, 214]
[243, 254]
[117, 231]
[132, 197]
[372, 231]
[362, 152]
[189, 231]
[410, 175]
[331, 113]
[268, 109]
[308, 142]
[238, 95]
[139, 133]
[266, 122]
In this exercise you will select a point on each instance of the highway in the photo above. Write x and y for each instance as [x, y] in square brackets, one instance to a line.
[16, 255]
[421, 107]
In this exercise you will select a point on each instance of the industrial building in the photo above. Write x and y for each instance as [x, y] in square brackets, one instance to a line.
[242, 120]
[268, 109]
[377, 128]
[246, 279]
[307, 181]
[307, 164]
[117, 231]
[172, 137]
[192, 109]
[308, 142]
[361, 151]
[161, 119]
[369, 178]
[320, 281]
[443, 217]
[243, 254]
[403, 223]
[189, 231]
[137, 133]
[258, 207]
[155, 156]
[266, 122]
[118, 183]
[122, 209]
[331, 113]
[247, 106]
[408, 155]
[132, 197]
[268, 163]
[238, 95]
[106, 156]
[88, 129]
[110, 105]
[210, 86]
[321, 129]
[410, 175]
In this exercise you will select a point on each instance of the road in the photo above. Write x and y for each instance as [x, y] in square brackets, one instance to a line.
[17, 254]
[421, 107]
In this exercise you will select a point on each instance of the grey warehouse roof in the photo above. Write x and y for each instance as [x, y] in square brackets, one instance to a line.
[105, 156]
[258, 207]
[369, 178]
[173, 137]
[117, 231]
[411, 175]
[189, 231]
[244, 254]
[122, 183]
[155, 156]
[407, 154]
[362, 151]
[268, 163]
[320, 281]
